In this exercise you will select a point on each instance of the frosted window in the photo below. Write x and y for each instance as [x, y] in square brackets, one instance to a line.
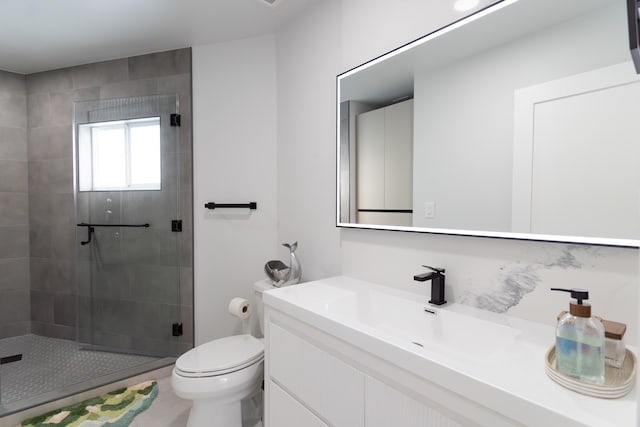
[109, 157]
[119, 155]
[145, 155]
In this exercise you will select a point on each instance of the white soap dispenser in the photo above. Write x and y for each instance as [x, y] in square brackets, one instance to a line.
[580, 341]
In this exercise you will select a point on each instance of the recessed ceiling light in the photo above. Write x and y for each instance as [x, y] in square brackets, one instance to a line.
[464, 5]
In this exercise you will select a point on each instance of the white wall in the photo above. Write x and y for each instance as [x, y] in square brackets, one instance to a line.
[336, 35]
[308, 61]
[234, 105]
[373, 27]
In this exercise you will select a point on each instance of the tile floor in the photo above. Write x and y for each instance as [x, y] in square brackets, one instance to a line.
[167, 410]
[50, 364]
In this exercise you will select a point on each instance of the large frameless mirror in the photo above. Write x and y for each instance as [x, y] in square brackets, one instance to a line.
[513, 122]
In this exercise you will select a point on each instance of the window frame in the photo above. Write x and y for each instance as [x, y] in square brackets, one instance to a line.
[86, 147]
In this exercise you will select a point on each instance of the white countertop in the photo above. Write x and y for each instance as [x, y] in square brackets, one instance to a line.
[493, 359]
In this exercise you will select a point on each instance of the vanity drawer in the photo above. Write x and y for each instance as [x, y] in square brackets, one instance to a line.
[288, 412]
[387, 406]
[316, 378]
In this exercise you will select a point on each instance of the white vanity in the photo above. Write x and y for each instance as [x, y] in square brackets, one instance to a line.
[343, 352]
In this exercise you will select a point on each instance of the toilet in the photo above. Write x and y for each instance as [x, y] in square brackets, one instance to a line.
[219, 374]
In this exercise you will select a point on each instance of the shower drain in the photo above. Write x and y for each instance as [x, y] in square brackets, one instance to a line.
[9, 359]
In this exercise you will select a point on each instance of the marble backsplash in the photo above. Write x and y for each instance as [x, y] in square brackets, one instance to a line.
[514, 280]
[503, 276]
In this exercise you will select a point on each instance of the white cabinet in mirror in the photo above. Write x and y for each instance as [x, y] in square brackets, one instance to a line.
[521, 126]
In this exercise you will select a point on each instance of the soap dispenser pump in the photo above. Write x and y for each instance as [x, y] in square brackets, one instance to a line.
[580, 340]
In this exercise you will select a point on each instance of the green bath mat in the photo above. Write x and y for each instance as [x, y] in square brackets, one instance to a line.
[114, 409]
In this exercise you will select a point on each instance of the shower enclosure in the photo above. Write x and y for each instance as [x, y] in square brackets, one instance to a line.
[130, 256]
[128, 216]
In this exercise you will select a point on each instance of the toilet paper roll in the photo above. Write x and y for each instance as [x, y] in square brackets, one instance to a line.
[240, 307]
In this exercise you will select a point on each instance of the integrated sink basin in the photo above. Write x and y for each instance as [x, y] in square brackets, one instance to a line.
[403, 318]
[400, 317]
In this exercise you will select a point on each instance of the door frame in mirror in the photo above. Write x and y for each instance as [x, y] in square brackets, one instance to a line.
[634, 36]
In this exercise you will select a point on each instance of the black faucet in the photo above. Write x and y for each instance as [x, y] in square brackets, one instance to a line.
[436, 275]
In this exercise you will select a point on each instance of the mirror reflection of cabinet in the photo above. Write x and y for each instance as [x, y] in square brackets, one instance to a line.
[384, 164]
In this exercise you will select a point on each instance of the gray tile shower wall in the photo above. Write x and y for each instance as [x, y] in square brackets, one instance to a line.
[14, 207]
[49, 108]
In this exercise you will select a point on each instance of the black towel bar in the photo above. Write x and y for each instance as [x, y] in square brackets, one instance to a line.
[213, 205]
[91, 228]
[84, 224]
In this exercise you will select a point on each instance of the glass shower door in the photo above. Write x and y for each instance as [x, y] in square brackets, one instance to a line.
[128, 224]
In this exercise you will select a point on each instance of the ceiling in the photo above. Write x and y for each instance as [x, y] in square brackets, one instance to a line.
[41, 35]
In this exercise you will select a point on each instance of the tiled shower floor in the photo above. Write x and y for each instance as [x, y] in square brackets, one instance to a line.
[50, 364]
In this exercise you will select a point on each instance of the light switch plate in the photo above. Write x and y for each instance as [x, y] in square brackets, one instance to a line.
[430, 210]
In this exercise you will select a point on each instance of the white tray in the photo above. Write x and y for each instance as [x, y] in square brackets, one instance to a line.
[617, 381]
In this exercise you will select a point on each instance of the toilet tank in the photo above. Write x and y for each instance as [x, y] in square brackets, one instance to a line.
[259, 287]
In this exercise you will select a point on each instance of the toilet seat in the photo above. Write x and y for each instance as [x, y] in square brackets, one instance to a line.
[220, 357]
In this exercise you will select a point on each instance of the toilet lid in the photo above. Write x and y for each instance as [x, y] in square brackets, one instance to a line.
[220, 356]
